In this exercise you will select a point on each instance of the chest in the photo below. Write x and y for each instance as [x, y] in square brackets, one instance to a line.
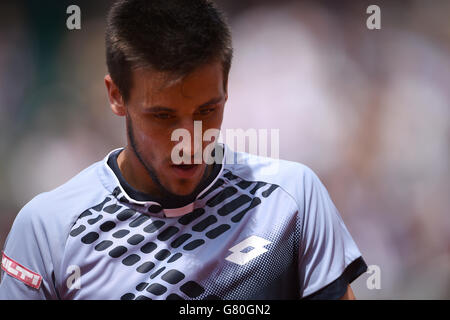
[245, 249]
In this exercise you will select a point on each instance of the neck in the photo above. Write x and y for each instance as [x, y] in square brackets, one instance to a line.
[135, 173]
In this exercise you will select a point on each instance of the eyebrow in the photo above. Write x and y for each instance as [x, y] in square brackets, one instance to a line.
[167, 109]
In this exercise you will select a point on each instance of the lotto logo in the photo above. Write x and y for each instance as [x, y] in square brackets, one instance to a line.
[21, 273]
[256, 245]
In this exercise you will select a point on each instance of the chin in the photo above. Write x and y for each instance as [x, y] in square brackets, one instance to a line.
[183, 191]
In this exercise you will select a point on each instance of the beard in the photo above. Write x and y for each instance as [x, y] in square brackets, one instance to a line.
[162, 191]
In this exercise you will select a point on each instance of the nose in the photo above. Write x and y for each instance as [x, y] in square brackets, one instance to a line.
[192, 142]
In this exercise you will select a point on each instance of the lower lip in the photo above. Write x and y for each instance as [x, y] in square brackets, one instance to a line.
[186, 173]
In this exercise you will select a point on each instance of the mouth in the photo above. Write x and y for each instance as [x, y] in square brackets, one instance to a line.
[185, 170]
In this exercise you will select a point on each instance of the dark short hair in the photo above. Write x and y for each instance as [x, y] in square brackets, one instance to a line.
[170, 36]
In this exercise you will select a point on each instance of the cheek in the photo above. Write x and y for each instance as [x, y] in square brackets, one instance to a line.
[153, 143]
[143, 134]
[214, 121]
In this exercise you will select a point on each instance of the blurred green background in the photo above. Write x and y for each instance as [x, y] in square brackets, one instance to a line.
[367, 110]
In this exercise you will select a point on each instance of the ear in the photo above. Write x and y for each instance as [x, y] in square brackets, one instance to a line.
[115, 97]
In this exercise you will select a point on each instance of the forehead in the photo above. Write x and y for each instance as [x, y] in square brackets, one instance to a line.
[152, 88]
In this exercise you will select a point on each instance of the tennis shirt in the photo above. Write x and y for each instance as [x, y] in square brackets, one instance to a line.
[256, 228]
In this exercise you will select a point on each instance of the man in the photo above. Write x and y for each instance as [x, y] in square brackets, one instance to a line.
[142, 225]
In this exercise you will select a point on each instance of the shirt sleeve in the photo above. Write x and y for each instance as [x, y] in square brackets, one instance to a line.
[329, 259]
[27, 269]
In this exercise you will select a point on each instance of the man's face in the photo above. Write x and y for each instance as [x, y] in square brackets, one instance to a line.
[156, 108]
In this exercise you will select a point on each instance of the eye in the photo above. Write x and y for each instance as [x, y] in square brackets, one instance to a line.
[206, 111]
[163, 116]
